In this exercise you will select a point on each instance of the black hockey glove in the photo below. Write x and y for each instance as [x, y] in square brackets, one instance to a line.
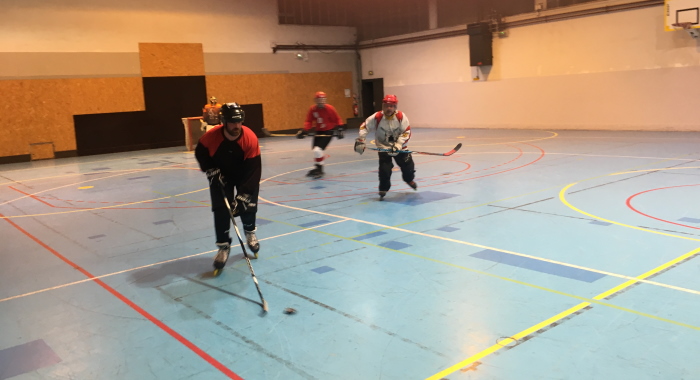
[359, 146]
[301, 134]
[213, 175]
[242, 203]
[394, 151]
[339, 132]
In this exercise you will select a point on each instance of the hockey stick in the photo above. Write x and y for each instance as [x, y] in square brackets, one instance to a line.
[240, 240]
[451, 152]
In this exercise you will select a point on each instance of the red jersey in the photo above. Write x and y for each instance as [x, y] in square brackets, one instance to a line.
[325, 118]
[239, 160]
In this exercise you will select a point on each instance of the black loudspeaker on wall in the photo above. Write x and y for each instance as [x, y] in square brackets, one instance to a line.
[480, 44]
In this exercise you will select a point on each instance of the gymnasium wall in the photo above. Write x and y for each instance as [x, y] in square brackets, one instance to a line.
[96, 63]
[613, 71]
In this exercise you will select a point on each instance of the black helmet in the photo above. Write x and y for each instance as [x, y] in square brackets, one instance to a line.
[232, 112]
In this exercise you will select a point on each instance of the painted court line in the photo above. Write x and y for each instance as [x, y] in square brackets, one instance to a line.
[383, 226]
[562, 315]
[146, 266]
[198, 351]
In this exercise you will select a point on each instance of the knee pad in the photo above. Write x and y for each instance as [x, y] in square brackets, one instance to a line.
[318, 155]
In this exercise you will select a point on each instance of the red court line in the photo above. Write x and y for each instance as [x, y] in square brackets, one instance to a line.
[629, 204]
[31, 196]
[216, 364]
[542, 154]
[102, 208]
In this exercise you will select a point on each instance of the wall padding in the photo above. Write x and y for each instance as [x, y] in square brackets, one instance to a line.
[285, 97]
[41, 110]
[171, 60]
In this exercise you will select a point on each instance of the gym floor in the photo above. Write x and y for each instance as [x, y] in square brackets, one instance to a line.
[528, 254]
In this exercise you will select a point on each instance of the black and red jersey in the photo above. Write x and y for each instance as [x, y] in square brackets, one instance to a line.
[239, 160]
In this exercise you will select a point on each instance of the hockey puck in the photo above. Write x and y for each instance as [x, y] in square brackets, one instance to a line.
[290, 310]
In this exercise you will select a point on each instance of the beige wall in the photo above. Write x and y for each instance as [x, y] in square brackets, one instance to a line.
[618, 70]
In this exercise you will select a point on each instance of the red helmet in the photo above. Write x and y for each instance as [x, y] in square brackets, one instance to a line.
[390, 99]
[320, 94]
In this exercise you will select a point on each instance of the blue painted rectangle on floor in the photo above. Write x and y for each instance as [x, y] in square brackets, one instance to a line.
[397, 245]
[419, 198]
[25, 358]
[448, 229]
[145, 176]
[689, 220]
[369, 236]
[599, 223]
[315, 223]
[262, 222]
[538, 265]
[323, 269]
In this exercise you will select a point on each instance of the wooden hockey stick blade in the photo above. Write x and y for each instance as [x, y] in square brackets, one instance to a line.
[451, 152]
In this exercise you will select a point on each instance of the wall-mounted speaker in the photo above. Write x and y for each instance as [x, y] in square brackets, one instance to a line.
[480, 44]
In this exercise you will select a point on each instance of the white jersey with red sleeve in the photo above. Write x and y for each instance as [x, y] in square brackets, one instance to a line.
[392, 131]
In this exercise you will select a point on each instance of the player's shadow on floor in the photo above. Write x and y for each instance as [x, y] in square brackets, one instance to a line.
[199, 267]
[179, 281]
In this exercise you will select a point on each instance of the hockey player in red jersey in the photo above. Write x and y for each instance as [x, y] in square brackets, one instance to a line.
[231, 150]
[325, 122]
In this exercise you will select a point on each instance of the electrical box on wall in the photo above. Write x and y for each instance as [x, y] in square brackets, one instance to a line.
[480, 44]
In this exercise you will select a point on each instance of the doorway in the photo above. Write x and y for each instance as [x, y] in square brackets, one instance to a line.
[372, 94]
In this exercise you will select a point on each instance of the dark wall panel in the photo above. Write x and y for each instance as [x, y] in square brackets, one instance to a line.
[110, 132]
[167, 101]
[254, 118]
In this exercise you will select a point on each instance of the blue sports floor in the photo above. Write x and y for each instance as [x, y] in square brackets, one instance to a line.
[526, 255]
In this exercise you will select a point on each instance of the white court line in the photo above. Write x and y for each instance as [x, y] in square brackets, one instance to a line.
[691, 291]
[151, 265]
[93, 162]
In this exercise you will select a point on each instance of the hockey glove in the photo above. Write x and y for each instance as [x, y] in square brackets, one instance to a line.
[394, 151]
[340, 132]
[359, 146]
[213, 175]
[242, 203]
[301, 134]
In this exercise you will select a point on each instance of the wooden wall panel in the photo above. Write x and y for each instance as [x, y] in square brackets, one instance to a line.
[285, 97]
[171, 60]
[41, 110]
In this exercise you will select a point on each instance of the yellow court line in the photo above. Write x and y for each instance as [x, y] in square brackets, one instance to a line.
[562, 198]
[595, 300]
[565, 314]
[396, 228]
[605, 294]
